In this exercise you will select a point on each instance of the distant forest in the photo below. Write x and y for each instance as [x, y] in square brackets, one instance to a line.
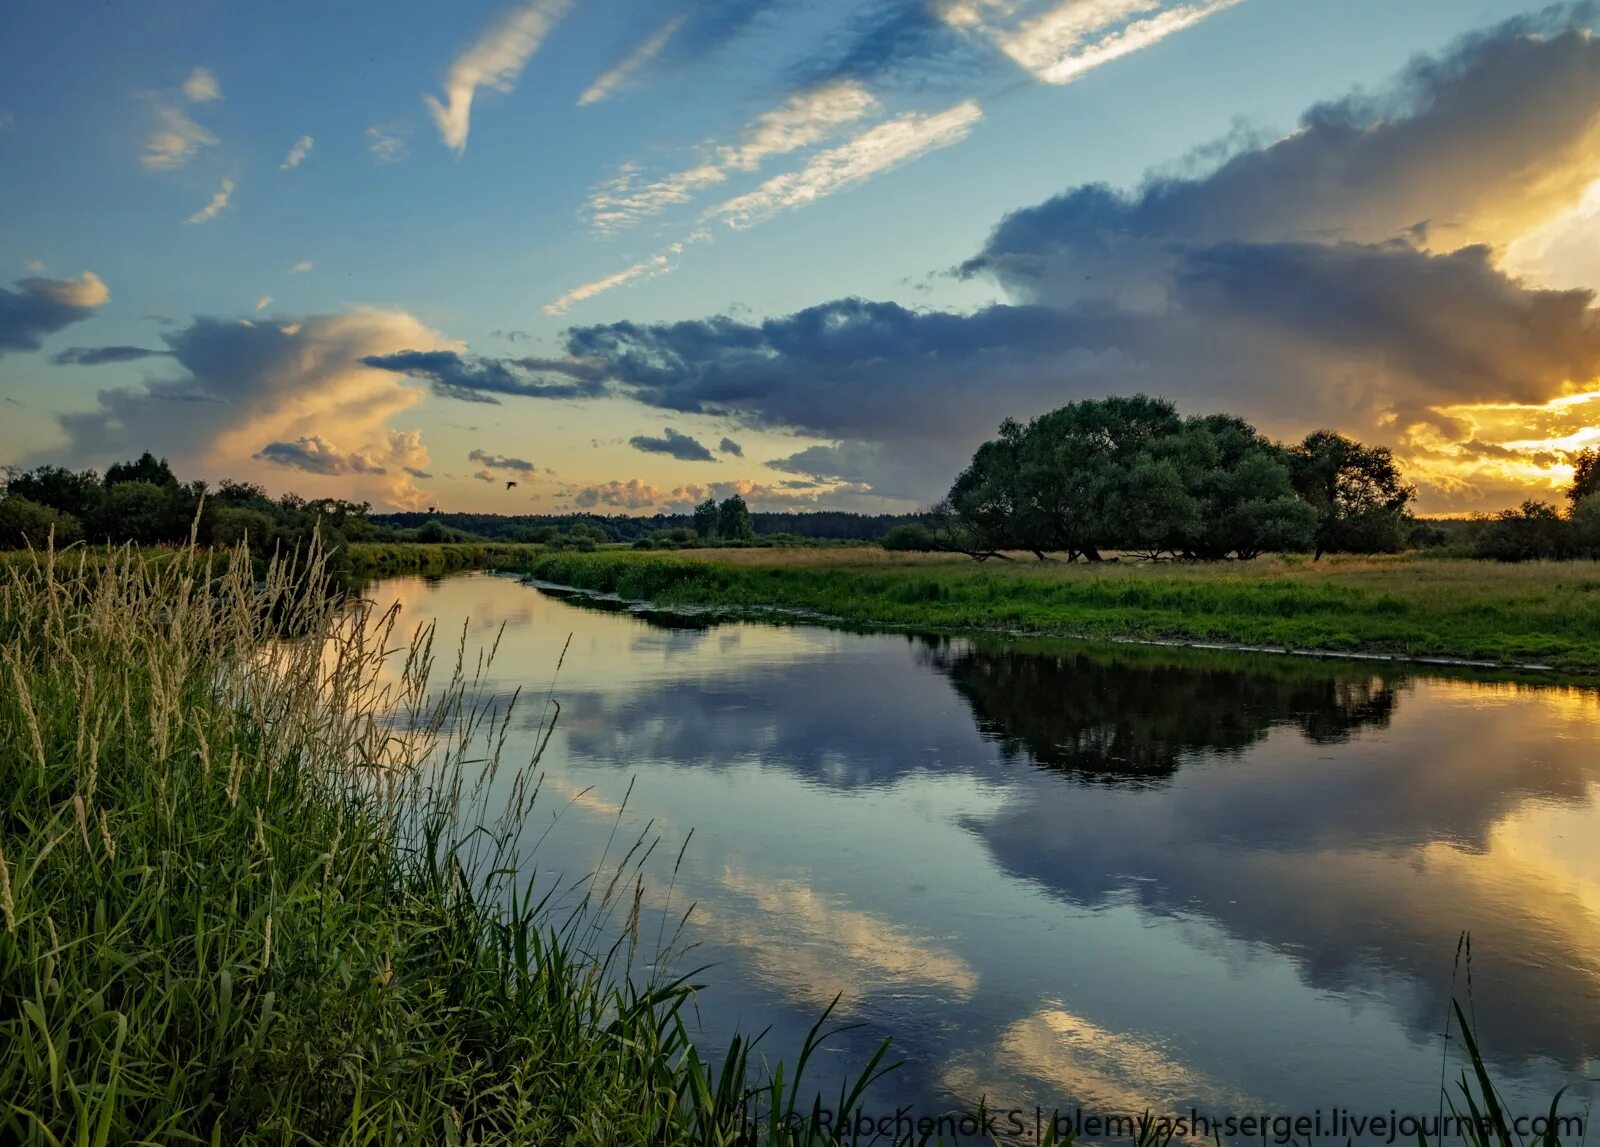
[1117, 475]
[833, 525]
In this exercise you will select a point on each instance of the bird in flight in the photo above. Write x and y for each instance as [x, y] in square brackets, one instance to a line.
[511, 485]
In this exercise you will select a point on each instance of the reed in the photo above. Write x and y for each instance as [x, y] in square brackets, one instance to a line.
[261, 880]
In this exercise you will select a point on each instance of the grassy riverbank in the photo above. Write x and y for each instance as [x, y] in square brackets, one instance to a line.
[241, 904]
[1546, 613]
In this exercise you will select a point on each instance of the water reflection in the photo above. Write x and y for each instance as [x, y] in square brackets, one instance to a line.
[1064, 874]
[1131, 714]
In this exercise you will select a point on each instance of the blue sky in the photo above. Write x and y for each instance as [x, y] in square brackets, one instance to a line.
[724, 163]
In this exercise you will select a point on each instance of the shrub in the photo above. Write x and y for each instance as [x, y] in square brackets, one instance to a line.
[24, 523]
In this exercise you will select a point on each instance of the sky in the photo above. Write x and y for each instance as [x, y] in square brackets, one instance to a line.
[620, 255]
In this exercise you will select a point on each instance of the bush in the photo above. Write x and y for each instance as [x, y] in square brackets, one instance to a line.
[1532, 531]
[24, 523]
[911, 536]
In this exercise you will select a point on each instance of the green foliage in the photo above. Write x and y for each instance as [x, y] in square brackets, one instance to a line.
[1356, 492]
[1129, 474]
[1585, 476]
[1532, 531]
[705, 518]
[912, 536]
[733, 520]
[24, 523]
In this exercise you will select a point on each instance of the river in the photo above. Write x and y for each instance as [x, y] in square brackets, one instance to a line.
[1096, 878]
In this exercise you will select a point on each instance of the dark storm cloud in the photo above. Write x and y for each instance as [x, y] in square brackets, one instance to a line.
[729, 446]
[502, 462]
[40, 307]
[1501, 128]
[97, 355]
[1337, 276]
[672, 443]
[474, 378]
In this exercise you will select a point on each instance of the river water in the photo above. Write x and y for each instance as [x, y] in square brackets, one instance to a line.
[1091, 878]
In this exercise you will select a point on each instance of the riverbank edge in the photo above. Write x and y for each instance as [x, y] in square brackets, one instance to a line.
[687, 590]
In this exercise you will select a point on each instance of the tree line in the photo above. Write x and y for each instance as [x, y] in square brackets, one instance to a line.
[1133, 475]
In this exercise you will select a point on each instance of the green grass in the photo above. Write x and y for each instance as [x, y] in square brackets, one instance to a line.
[1545, 613]
[244, 897]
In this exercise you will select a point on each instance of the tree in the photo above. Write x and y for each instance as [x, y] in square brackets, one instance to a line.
[146, 468]
[1531, 531]
[25, 523]
[909, 536]
[78, 493]
[1356, 493]
[705, 519]
[733, 520]
[1586, 527]
[1585, 476]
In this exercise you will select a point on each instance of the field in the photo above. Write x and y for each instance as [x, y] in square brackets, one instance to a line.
[1536, 613]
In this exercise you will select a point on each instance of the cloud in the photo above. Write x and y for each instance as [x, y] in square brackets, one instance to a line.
[389, 142]
[316, 456]
[729, 446]
[619, 74]
[301, 267]
[672, 443]
[202, 87]
[634, 495]
[473, 378]
[250, 400]
[97, 355]
[215, 207]
[175, 140]
[495, 59]
[40, 307]
[806, 118]
[1347, 274]
[297, 153]
[875, 151]
[658, 264]
[263, 303]
[34, 266]
[502, 462]
[1070, 38]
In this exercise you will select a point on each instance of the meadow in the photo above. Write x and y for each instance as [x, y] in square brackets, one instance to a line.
[1532, 613]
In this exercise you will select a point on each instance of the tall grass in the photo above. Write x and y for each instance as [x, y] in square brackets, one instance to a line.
[252, 891]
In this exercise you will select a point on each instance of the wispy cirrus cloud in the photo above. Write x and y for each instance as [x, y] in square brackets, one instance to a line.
[389, 142]
[175, 141]
[803, 120]
[495, 59]
[620, 74]
[297, 153]
[875, 151]
[176, 137]
[661, 263]
[215, 207]
[202, 87]
[1067, 39]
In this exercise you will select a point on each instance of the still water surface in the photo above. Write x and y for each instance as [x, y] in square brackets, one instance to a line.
[1065, 875]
